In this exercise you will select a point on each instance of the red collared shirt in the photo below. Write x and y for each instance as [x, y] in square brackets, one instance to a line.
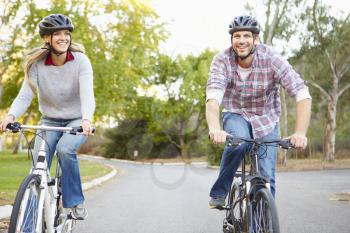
[49, 61]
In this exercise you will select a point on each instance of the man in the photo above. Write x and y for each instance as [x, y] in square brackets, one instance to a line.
[245, 80]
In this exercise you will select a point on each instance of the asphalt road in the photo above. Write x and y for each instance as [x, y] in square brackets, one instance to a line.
[174, 199]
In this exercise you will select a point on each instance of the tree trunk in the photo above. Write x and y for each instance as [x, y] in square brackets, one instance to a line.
[20, 137]
[329, 138]
[183, 147]
[284, 125]
[2, 141]
[182, 140]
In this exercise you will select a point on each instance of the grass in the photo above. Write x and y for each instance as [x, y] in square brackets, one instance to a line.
[292, 164]
[313, 164]
[13, 169]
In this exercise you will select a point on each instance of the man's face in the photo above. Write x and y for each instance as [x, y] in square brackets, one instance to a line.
[242, 42]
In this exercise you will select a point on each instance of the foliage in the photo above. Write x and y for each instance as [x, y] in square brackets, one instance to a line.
[327, 38]
[180, 114]
[122, 48]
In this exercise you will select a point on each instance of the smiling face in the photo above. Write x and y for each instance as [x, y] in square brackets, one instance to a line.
[242, 42]
[60, 40]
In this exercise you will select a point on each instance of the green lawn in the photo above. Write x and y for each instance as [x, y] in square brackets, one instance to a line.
[13, 169]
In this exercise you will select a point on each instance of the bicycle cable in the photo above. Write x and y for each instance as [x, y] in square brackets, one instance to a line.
[29, 143]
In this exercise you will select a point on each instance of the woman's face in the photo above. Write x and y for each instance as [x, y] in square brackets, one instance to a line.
[60, 40]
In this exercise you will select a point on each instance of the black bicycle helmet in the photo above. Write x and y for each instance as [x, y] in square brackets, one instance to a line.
[244, 23]
[54, 22]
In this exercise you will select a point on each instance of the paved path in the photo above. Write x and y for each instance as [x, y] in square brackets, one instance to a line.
[174, 199]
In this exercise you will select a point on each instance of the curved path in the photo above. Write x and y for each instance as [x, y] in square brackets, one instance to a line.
[145, 198]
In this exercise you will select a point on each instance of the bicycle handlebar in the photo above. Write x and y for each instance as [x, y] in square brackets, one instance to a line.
[235, 141]
[16, 127]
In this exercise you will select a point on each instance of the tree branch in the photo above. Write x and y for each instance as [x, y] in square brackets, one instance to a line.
[347, 86]
[284, 8]
[323, 91]
[268, 13]
[171, 140]
[344, 68]
[273, 24]
[317, 29]
[332, 64]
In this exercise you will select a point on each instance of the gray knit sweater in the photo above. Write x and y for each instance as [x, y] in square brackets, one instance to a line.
[64, 92]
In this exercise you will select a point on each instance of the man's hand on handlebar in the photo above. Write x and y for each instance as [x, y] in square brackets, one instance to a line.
[218, 136]
[298, 140]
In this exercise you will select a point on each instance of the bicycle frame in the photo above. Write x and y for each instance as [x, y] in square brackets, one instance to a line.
[49, 194]
[244, 180]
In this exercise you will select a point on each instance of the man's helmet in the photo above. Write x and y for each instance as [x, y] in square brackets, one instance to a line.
[54, 22]
[244, 23]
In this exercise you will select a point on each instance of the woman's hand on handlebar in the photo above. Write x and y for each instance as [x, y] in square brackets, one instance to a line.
[7, 120]
[87, 127]
[218, 136]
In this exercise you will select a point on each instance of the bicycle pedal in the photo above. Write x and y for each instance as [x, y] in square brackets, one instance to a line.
[220, 207]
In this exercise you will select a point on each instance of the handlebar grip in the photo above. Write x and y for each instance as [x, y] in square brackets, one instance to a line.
[232, 141]
[15, 127]
[286, 144]
[79, 129]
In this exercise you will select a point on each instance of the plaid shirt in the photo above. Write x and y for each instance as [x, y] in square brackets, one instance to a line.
[257, 98]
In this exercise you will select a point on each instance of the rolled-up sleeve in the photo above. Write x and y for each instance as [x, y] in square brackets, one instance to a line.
[217, 81]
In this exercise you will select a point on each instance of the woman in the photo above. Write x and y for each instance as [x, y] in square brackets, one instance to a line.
[63, 77]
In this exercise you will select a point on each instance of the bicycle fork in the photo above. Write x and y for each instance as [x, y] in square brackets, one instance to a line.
[47, 190]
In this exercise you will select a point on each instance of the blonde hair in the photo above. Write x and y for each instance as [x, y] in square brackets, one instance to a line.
[39, 53]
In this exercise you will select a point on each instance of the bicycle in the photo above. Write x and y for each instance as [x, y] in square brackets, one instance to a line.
[38, 207]
[251, 207]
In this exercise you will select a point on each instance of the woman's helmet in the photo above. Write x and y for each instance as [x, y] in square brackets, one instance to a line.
[244, 23]
[54, 22]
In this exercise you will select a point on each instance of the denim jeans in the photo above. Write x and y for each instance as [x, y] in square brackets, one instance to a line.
[236, 125]
[66, 146]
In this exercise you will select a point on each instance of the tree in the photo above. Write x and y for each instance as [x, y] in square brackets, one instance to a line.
[122, 46]
[180, 114]
[328, 37]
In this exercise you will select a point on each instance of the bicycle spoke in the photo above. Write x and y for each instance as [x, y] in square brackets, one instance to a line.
[265, 219]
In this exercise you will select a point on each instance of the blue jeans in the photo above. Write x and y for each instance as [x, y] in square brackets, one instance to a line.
[236, 125]
[66, 146]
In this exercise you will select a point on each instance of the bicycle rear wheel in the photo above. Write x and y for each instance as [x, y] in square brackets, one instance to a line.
[264, 213]
[24, 216]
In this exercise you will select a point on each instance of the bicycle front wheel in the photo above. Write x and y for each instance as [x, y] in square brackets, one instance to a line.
[236, 217]
[24, 216]
[264, 213]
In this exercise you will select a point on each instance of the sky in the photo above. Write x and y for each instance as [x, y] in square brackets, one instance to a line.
[195, 25]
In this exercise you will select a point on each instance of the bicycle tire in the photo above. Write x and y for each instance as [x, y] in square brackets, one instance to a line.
[27, 200]
[264, 213]
[237, 214]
